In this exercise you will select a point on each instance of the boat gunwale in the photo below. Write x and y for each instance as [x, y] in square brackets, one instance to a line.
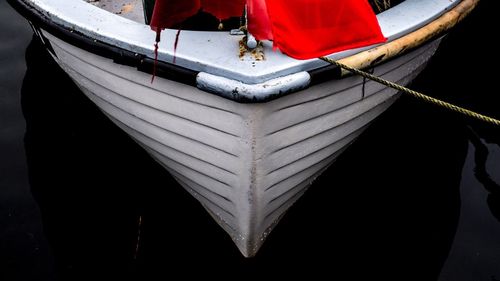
[256, 92]
[122, 56]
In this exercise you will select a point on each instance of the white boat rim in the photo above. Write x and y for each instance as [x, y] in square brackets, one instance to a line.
[131, 43]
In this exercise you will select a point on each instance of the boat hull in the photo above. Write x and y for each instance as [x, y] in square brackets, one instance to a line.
[246, 163]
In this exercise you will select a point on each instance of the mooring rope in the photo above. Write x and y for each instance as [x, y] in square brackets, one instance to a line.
[415, 94]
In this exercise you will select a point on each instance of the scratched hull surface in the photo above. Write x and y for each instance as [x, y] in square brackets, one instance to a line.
[246, 163]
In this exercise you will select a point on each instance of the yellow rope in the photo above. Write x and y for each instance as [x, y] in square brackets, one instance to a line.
[415, 94]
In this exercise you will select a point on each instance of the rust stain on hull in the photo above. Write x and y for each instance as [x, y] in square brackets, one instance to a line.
[257, 54]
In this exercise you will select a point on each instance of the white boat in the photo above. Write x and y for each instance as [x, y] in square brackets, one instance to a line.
[245, 137]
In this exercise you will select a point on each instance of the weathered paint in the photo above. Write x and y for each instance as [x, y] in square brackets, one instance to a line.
[410, 41]
[241, 92]
[218, 56]
[246, 163]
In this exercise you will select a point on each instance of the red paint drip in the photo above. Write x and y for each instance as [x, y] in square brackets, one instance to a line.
[175, 44]
[155, 64]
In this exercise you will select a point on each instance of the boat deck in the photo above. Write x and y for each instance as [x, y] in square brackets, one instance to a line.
[130, 9]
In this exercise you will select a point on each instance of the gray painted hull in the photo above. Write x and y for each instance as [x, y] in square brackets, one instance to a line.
[246, 163]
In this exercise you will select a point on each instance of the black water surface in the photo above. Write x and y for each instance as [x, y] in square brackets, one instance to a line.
[417, 197]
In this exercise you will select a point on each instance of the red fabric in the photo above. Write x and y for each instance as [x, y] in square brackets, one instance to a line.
[302, 29]
[223, 9]
[305, 29]
[259, 24]
[167, 13]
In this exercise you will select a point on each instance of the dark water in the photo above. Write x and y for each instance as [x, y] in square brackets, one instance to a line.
[417, 197]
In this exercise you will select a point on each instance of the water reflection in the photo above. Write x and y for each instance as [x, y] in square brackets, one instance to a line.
[87, 193]
[388, 208]
[480, 171]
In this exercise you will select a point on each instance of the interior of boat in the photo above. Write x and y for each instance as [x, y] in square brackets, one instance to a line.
[140, 11]
[130, 9]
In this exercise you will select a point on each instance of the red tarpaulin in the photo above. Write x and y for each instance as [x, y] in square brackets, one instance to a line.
[306, 29]
[258, 23]
[168, 13]
[302, 29]
[223, 9]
